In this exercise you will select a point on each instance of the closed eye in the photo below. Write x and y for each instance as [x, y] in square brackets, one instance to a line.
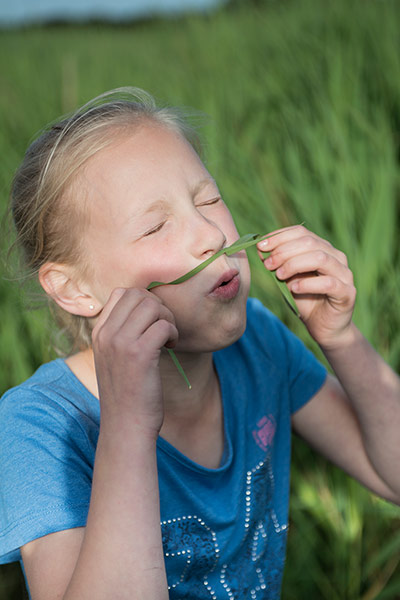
[154, 229]
[212, 201]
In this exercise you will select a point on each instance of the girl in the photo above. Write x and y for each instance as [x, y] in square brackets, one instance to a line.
[171, 493]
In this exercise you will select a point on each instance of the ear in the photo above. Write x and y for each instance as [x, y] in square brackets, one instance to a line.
[61, 283]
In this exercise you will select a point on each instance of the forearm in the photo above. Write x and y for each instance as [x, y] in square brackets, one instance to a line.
[121, 555]
[373, 389]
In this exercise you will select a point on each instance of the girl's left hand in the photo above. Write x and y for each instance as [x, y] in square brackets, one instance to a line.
[319, 278]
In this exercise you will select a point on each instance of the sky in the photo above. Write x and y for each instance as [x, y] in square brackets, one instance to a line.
[13, 12]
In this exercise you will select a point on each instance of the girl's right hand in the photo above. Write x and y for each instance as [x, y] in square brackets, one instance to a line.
[127, 339]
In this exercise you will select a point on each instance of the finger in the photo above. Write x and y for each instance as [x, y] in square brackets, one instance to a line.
[319, 261]
[325, 285]
[281, 236]
[298, 239]
[119, 305]
[292, 249]
[160, 333]
[115, 296]
[124, 335]
[305, 243]
[143, 316]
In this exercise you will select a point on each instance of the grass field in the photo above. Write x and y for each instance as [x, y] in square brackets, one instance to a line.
[303, 99]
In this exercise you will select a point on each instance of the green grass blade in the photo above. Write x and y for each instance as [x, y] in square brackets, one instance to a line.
[245, 241]
[179, 367]
[188, 275]
[287, 296]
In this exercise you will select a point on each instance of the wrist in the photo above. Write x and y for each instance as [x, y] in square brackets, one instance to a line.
[342, 341]
[120, 431]
[131, 414]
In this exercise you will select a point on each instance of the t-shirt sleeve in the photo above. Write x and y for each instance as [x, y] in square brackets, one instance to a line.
[45, 470]
[305, 374]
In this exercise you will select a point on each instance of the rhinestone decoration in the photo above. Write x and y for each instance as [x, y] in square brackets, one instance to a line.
[192, 549]
[191, 544]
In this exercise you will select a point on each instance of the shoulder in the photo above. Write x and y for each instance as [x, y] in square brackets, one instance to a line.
[35, 389]
[48, 436]
[54, 381]
[50, 399]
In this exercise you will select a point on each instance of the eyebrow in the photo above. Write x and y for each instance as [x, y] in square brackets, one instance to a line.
[202, 184]
[161, 204]
[155, 206]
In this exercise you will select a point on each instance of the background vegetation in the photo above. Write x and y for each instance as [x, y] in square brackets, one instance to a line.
[304, 105]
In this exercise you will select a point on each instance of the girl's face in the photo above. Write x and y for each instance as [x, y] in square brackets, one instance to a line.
[155, 213]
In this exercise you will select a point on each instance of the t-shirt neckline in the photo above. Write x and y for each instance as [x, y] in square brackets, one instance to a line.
[162, 443]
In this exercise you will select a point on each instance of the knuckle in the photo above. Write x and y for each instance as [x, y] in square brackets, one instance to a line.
[331, 284]
[352, 293]
[308, 241]
[150, 306]
[95, 333]
[100, 338]
[321, 256]
[149, 303]
[137, 352]
[117, 293]
[134, 349]
[117, 344]
[134, 294]
[165, 327]
[169, 317]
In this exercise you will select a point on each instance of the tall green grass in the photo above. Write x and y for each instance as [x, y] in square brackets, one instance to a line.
[304, 105]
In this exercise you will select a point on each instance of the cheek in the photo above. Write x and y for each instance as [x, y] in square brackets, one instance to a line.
[164, 266]
[245, 273]
[115, 270]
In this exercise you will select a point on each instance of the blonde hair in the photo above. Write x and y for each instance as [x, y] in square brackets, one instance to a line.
[48, 213]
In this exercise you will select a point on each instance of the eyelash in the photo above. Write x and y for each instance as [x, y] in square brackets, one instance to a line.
[159, 226]
[209, 202]
[154, 230]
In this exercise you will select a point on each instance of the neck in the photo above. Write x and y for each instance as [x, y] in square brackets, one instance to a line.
[180, 402]
[190, 415]
[193, 419]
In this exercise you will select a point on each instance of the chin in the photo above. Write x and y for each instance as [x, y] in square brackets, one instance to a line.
[214, 337]
[232, 334]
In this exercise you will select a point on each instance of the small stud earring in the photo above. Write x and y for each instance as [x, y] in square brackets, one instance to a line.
[91, 306]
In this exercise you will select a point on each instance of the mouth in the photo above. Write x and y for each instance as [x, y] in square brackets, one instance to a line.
[227, 286]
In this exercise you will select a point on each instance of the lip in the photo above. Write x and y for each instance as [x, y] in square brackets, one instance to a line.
[227, 286]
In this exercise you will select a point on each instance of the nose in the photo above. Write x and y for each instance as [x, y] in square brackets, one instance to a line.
[205, 237]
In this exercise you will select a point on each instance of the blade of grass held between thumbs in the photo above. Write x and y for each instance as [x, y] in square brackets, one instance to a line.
[250, 239]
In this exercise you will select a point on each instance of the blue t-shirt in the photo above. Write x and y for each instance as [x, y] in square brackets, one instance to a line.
[224, 530]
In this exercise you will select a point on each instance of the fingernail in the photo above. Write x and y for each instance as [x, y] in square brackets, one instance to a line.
[264, 244]
[268, 262]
